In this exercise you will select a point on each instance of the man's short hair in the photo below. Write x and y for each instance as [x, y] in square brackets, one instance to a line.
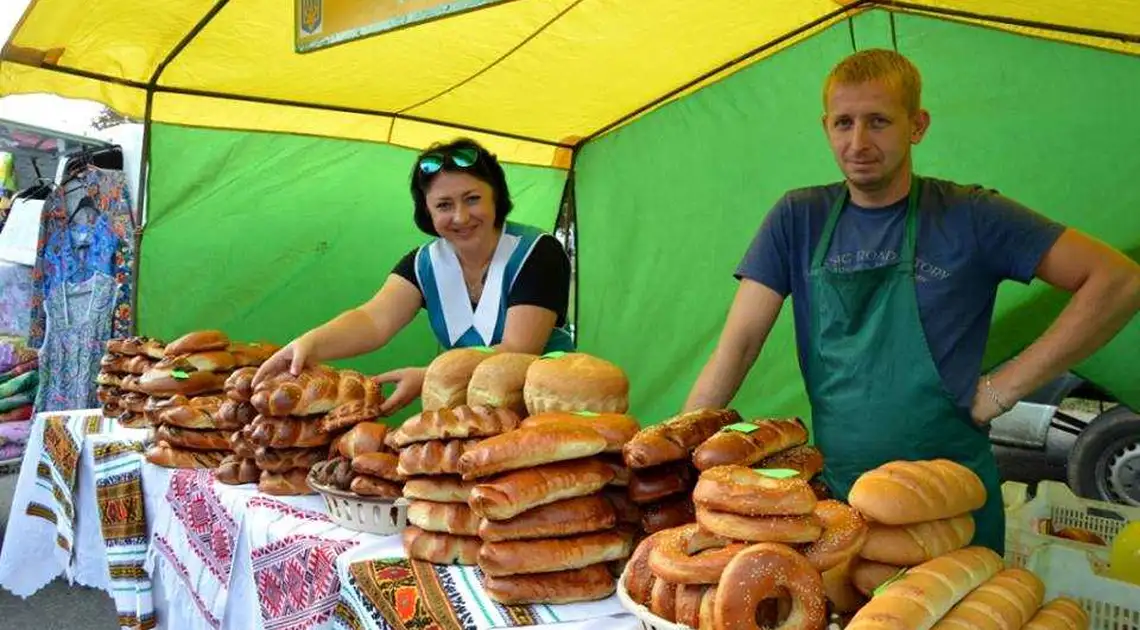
[878, 64]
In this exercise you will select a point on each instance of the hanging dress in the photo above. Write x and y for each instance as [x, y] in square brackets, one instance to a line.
[79, 298]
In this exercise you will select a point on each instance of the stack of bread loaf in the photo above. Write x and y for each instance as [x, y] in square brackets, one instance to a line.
[917, 511]
[767, 443]
[118, 379]
[359, 462]
[298, 416]
[662, 473]
[967, 588]
[185, 404]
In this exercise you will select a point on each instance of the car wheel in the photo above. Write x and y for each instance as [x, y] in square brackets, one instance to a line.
[1104, 464]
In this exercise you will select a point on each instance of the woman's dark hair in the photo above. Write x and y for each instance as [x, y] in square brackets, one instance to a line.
[486, 168]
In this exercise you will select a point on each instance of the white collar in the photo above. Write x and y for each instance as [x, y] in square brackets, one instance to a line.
[454, 300]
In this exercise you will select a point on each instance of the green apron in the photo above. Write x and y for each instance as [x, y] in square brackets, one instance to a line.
[875, 391]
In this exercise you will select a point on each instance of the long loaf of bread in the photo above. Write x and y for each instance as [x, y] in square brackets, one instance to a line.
[909, 545]
[616, 428]
[906, 492]
[533, 446]
[1008, 600]
[461, 422]
[921, 597]
[1061, 613]
[559, 587]
[758, 440]
[675, 438]
[509, 495]
[513, 557]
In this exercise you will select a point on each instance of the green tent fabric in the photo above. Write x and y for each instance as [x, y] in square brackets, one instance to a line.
[266, 235]
[667, 205]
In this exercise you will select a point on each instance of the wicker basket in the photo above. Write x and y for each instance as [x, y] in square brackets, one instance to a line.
[371, 515]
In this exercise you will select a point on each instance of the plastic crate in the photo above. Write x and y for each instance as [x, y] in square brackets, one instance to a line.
[1069, 572]
[1025, 522]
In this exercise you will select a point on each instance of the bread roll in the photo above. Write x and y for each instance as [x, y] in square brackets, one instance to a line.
[283, 459]
[674, 439]
[533, 446]
[382, 465]
[905, 492]
[169, 382]
[748, 442]
[589, 583]
[908, 545]
[252, 354]
[742, 490]
[448, 375]
[512, 557]
[1061, 613]
[288, 483]
[462, 422]
[672, 512]
[192, 439]
[235, 471]
[287, 433]
[663, 600]
[234, 415]
[440, 488]
[433, 458]
[353, 408]
[135, 402]
[138, 364]
[579, 515]
[575, 382]
[867, 575]
[927, 592]
[200, 412]
[366, 437]
[239, 385]
[337, 473]
[200, 341]
[626, 511]
[212, 361]
[616, 428]
[369, 486]
[498, 381]
[241, 443]
[448, 518]
[1007, 600]
[167, 456]
[806, 459]
[439, 548]
[512, 494]
[648, 485]
[316, 390]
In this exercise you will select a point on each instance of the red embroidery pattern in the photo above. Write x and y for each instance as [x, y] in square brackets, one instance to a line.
[285, 508]
[210, 530]
[296, 580]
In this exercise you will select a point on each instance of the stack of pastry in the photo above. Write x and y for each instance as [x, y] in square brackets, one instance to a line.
[360, 462]
[918, 510]
[442, 529]
[764, 443]
[299, 416]
[660, 458]
[548, 534]
[118, 379]
[185, 396]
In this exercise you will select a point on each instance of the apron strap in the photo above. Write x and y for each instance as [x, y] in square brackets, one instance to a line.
[910, 236]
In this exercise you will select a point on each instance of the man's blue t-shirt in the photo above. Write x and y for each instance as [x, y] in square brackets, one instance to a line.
[969, 240]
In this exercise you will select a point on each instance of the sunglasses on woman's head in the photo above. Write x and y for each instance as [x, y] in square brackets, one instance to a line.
[463, 157]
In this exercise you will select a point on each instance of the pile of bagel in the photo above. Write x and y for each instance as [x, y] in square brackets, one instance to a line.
[768, 548]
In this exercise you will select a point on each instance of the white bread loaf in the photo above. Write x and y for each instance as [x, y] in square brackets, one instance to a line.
[575, 382]
[448, 375]
[906, 492]
[1007, 601]
[922, 596]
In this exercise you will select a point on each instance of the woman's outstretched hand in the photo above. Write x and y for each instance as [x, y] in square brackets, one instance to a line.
[293, 357]
[409, 383]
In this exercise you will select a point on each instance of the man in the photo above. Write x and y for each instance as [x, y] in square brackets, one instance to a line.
[893, 279]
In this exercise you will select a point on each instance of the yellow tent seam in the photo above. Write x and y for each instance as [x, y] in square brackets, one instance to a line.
[1011, 21]
[526, 40]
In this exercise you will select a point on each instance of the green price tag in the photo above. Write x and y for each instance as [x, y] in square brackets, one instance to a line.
[587, 414]
[891, 580]
[179, 375]
[484, 349]
[777, 473]
[743, 427]
[557, 354]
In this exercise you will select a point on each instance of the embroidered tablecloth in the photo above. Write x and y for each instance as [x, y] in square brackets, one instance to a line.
[41, 540]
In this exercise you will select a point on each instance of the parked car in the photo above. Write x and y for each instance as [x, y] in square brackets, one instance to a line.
[1073, 427]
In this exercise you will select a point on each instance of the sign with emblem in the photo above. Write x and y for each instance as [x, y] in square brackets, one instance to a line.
[324, 23]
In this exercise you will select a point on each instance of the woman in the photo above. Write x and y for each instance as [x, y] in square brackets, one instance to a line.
[483, 281]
